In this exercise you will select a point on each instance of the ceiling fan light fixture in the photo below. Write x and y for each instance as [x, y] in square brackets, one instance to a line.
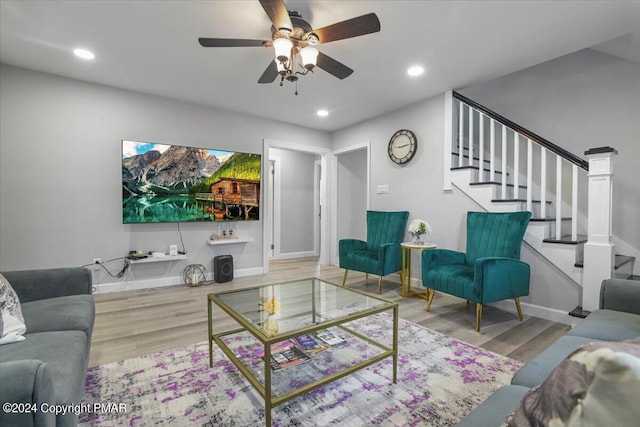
[282, 47]
[309, 57]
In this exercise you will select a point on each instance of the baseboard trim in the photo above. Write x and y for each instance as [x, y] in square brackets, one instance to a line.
[134, 285]
[545, 313]
[528, 309]
[293, 255]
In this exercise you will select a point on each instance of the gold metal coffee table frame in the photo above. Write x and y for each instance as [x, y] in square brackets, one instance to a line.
[318, 324]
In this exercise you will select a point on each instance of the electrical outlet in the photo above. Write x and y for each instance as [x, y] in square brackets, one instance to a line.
[97, 261]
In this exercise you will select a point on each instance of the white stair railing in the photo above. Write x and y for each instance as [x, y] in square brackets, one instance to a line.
[521, 157]
[554, 191]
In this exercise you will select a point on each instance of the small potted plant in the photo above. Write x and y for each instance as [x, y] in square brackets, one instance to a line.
[419, 228]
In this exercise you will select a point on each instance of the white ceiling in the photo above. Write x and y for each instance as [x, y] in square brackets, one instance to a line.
[152, 47]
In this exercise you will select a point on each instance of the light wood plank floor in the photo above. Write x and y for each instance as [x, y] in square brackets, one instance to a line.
[134, 323]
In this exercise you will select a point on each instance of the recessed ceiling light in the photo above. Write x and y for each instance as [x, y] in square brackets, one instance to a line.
[416, 70]
[84, 54]
[322, 113]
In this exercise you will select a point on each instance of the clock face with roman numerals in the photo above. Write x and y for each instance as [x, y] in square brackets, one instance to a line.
[402, 146]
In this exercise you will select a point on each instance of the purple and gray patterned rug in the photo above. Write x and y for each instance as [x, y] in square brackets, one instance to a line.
[440, 380]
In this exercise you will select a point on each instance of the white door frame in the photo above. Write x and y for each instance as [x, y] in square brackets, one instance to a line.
[334, 191]
[273, 210]
[324, 154]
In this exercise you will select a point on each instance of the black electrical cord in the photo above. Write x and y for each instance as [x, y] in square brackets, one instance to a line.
[184, 251]
[118, 275]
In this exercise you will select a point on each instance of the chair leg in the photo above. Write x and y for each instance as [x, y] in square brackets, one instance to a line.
[478, 316]
[366, 277]
[344, 278]
[519, 309]
[380, 285]
[431, 292]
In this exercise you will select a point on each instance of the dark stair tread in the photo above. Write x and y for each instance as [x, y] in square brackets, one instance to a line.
[633, 277]
[564, 218]
[620, 260]
[473, 167]
[582, 238]
[579, 312]
[466, 156]
[524, 187]
[516, 200]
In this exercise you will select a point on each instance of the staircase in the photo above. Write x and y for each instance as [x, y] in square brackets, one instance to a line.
[504, 167]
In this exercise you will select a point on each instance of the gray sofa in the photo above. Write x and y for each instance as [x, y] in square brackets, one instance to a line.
[617, 319]
[49, 367]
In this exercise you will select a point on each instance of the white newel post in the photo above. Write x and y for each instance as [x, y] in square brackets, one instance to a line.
[598, 251]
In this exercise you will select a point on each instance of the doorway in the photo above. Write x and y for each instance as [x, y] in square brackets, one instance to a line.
[296, 193]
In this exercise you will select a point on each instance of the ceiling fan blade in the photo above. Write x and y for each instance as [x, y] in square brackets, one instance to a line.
[278, 13]
[270, 73]
[332, 66]
[354, 27]
[207, 42]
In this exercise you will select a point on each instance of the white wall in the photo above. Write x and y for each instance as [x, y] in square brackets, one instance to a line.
[60, 172]
[580, 101]
[297, 220]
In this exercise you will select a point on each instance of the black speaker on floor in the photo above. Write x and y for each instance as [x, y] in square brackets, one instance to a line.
[222, 268]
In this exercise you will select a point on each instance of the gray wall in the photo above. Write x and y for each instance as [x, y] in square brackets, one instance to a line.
[580, 101]
[296, 200]
[60, 172]
[352, 197]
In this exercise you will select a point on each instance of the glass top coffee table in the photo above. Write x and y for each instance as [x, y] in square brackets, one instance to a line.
[298, 336]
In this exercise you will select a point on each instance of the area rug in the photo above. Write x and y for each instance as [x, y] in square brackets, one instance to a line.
[440, 380]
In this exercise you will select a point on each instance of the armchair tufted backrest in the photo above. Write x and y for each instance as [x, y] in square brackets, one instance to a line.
[495, 234]
[385, 227]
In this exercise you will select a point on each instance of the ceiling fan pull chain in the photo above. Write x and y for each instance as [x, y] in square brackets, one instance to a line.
[296, 87]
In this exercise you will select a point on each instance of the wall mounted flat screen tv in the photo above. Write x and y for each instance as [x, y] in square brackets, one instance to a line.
[173, 183]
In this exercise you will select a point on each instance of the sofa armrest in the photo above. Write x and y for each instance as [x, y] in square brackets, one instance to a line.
[26, 382]
[32, 285]
[620, 295]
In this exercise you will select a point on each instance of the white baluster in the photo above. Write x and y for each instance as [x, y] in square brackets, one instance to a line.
[516, 165]
[504, 163]
[481, 148]
[558, 197]
[460, 132]
[543, 182]
[471, 136]
[574, 204]
[529, 174]
[492, 152]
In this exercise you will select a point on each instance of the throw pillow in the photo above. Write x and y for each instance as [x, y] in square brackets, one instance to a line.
[12, 325]
[597, 385]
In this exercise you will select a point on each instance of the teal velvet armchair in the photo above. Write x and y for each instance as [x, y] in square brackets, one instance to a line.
[490, 270]
[380, 254]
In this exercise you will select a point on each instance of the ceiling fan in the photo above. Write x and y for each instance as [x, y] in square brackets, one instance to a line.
[293, 40]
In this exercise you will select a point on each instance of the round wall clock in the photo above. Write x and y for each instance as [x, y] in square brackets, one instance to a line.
[402, 146]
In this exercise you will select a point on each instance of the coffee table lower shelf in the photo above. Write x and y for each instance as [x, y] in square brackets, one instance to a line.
[267, 381]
